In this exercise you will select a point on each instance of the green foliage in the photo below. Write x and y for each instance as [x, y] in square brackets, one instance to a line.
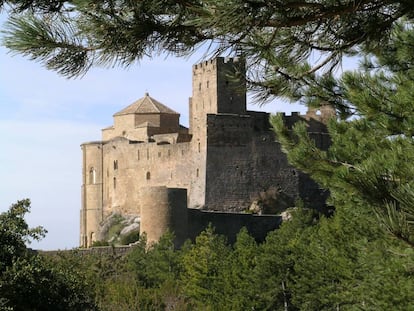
[29, 281]
[368, 163]
[310, 263]
[33, 284]
[292, 48]
[129, 238]
[157, 264]
[202, 278]
[15, 233]
[100, 243]
[239, 292]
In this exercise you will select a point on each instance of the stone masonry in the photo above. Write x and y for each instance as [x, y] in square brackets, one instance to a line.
[224, 160]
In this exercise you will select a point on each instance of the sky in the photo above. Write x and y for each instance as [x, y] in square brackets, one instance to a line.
[44, 118]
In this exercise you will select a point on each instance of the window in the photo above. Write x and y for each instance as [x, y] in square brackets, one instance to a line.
[114, 182]
[199, 147]
[92, 176]
[148, 175]
[197, 172]
[115, 164]
[207, 83]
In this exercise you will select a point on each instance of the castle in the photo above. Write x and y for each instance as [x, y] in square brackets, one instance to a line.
[147, 164]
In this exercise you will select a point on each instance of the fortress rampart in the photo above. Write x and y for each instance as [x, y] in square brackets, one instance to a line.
[228, 160]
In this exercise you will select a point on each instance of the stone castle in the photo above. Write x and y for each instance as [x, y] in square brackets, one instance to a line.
[149, 165]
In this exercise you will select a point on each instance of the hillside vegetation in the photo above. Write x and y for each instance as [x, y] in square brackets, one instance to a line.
[345, 262]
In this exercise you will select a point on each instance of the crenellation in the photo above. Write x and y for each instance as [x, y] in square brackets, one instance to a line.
[225, 161]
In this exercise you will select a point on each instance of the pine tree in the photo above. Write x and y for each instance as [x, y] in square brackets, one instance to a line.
[204, 263]
[369, 162]
[276, 37]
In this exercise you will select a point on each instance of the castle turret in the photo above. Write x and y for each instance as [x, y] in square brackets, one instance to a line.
[219, 88]
[91, 212]
[164, 209]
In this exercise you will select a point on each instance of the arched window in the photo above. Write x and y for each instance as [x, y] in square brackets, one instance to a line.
[148, 176]
[92, 238]
[92, 176]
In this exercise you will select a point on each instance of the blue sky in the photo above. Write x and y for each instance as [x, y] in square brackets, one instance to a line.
[44, 118]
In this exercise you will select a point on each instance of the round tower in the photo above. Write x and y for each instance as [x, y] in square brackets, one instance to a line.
[91, 212]
[163, 209]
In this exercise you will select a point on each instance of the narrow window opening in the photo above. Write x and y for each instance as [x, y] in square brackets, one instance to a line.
[138, 155]
[199, 147]
[199, 86]
[92, 176]
[148, 176]
[169, 152]
[147, 154]
[92, 237]
[197, 172]
[115, 164]
[207, 84]
[114, 182]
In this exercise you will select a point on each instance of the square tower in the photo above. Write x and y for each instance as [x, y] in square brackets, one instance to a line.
[219, 86]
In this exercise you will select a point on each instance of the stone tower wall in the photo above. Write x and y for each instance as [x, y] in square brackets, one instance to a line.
[228, 158]
[163, 209]
[242, 161]
[91, 212]
[128, 167]
[213, 93]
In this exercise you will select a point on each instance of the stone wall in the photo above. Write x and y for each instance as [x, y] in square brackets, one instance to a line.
[164, 209]
[244, 159]
[225, 160]
[229, 224]
[129, 167]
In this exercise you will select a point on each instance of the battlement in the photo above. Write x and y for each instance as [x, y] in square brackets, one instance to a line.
[148, 165]
[316, 119]
[216, 62]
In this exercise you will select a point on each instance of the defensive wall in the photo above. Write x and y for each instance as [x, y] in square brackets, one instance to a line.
[164, 209]
[225, 160]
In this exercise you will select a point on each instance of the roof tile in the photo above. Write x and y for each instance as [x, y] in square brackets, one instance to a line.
[146, 105]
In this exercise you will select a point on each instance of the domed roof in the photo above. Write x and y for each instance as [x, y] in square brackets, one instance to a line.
[146, 105]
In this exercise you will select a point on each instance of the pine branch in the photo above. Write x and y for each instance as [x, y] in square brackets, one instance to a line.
[53, 42]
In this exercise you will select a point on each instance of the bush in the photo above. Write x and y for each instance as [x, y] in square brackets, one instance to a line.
[129, 238]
